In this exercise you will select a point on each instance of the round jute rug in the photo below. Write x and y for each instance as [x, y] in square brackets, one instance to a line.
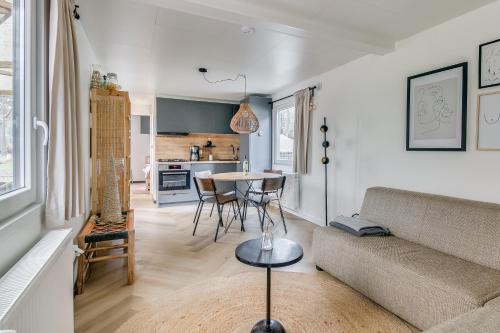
[301, 302]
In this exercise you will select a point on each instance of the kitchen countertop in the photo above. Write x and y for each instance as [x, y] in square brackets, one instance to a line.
[202, 162]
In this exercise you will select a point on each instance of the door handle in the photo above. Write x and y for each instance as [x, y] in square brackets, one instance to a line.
[39, 123]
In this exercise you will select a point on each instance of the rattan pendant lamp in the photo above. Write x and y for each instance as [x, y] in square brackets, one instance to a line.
[244, 121]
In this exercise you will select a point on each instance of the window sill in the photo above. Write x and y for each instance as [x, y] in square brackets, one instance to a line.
[283, 167]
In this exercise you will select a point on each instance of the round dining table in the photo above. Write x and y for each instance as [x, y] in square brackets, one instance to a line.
[243, 176]
[248, 177]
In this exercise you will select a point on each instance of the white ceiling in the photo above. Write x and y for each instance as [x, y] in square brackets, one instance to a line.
[156, 46]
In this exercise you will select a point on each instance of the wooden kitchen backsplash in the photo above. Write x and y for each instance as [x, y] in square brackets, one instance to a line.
[170, 147]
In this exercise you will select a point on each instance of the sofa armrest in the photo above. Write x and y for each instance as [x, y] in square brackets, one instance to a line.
[482, 320]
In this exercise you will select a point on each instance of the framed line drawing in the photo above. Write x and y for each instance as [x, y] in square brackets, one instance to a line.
[436, 113]
[488, 122]
[489, 64]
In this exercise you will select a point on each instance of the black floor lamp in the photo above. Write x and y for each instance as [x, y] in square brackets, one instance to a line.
[325, 160]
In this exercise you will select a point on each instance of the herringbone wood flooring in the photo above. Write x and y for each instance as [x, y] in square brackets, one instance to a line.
[168, 258]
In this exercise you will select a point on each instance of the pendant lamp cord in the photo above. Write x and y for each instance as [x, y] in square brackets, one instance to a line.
[229, 79]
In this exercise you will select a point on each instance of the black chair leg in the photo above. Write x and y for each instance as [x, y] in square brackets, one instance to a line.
[227, 216]
[212, 210]
[221, 215]
[268, 216]
[234, 209]
[282, 216]
[197, 209]
[261, 220]
[245, 208]
[264, 210]
[233, 218]
[241, 218]
[219, 210]
[201, 210]
[198, 218]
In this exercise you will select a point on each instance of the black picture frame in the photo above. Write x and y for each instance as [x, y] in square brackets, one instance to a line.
[463, 140]
[480, 61]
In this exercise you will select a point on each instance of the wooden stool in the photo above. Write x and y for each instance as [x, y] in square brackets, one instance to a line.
[94, 233]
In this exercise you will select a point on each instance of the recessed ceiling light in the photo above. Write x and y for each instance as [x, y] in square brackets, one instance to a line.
[247, 30]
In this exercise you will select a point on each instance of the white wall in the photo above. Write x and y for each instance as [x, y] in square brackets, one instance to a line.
[365, 105]
[139, 149]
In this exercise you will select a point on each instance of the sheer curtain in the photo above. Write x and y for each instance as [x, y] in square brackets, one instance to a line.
[65, 197]
[303, 108]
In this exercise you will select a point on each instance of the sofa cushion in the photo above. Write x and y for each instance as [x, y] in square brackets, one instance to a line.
[421, 285]
[467, 229]
[482, 320]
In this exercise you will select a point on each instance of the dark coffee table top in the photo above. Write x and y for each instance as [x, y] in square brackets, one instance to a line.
[284, 253]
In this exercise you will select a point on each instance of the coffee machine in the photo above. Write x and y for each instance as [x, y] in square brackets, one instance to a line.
[194, 153]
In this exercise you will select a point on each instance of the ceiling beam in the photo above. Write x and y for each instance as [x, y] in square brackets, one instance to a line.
[246, 13]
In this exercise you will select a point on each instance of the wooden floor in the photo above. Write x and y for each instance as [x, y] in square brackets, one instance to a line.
[168, 257]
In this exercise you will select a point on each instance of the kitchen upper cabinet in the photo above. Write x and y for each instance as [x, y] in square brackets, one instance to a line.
[184, 116]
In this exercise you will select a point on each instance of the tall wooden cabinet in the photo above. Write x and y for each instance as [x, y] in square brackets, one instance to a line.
[110, 111]
[110, 136]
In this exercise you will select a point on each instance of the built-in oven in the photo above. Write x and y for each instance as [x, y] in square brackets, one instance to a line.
[174, 177]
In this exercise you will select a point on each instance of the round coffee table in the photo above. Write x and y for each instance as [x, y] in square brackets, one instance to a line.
[284, 253]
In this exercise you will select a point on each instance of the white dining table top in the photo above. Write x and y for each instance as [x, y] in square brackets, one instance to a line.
[241, 176]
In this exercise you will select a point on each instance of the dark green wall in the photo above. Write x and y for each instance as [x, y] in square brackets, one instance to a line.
[184, 116]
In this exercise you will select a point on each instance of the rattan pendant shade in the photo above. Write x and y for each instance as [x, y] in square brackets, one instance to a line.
[244, 121]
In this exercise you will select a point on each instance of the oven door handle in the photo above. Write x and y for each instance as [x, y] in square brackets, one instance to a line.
[174, 173]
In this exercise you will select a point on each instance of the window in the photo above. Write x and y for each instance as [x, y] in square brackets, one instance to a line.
[284, 120]
[23, 95]
[21, 98]
[12, 171]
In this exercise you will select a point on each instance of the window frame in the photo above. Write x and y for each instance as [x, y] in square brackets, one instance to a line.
[15, 202]
[277, 107]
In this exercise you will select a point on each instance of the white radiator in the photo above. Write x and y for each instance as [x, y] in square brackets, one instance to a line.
[36, 294]
[291, 192]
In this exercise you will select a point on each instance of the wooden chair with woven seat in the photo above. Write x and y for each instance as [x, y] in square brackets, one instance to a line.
[271, 190]
[207, 185]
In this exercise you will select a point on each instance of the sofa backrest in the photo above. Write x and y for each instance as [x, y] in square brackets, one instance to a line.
[466, 229]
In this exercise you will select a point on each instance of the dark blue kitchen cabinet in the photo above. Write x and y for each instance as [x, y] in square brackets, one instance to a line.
[185, 116]
[258, 146]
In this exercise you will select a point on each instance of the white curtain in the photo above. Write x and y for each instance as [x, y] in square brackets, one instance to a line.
[65, 196]
[303, 108]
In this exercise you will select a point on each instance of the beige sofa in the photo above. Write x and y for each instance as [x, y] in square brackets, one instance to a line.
[439, 272]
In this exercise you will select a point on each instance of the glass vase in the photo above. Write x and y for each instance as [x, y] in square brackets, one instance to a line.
[112, 83]
[267, 239]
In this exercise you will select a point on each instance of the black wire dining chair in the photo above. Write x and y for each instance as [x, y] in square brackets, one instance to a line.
[270, 191]
[207, 185]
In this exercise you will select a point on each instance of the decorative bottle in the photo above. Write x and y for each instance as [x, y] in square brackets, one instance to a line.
[245, 165]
